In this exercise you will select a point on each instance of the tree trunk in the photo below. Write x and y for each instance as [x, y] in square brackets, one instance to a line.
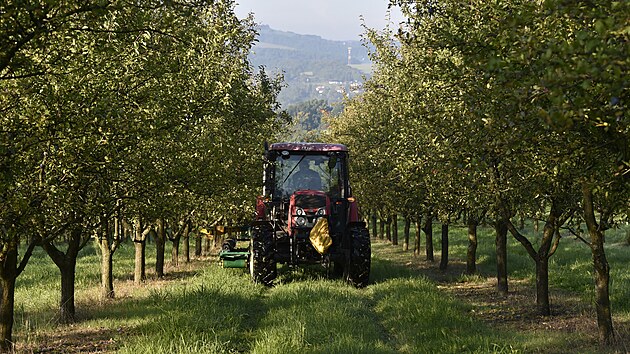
[602, 270]
[186, 248]
[541, 257]
[107, 276]
[139, 272]
[388, 228]
[417, 243]
[107, 272]
[545, 251]
[501, 230]
[140, 245]
[66, 263]
[428, 232]
[175, 252]
[128, 231]
[444, 257]
[198, 243]
[207, 244]
[471, 254]
[406, 233]
[176, 238]
[66, 306]
[395, 230]
[8, 275]
[542, 286]
[374, 222]
[602, 296]
[381, 233]
[215, 239]
[160, 241]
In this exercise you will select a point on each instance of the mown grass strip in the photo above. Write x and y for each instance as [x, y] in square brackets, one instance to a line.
[316, 316]
[424, 320]
[214, 312]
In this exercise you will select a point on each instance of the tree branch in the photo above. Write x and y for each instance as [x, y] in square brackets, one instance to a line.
[38, 27]
[127, 31]
[85, 240]
[523, 240]
[577, 236]
[27, 255]
[556, 242]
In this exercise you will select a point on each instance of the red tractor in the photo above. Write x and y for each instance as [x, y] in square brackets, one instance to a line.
[307, 215]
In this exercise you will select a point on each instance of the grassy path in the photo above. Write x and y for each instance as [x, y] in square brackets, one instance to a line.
[221, 311]
[207, 309]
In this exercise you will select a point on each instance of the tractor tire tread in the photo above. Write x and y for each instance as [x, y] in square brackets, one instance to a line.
[262, 261]
[358, 269]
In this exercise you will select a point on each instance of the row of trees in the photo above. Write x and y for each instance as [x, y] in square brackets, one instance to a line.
[144, 113]
[484, 111]
[306, 119]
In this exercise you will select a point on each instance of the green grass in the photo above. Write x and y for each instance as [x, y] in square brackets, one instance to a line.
[570, 268]
[215, 310]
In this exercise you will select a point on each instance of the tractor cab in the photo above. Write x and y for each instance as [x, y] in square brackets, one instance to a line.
[291, 167]
[304, 182]
[317, 172]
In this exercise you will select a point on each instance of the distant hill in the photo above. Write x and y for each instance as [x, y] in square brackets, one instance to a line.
[313, 67]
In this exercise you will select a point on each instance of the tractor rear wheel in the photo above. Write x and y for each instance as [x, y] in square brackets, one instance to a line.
[262, 263]
[358, 268]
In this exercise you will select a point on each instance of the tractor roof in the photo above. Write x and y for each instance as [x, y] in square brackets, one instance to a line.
[317, 147]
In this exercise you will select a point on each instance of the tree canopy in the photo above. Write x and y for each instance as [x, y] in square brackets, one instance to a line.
[508, 107]
[146, 108]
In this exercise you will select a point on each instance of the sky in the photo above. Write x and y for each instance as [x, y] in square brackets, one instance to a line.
[330, 19]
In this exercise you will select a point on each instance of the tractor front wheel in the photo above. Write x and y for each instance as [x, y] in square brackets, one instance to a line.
[357, 270]
[262, 263]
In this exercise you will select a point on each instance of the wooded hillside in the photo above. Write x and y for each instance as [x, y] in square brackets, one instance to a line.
[308, 62]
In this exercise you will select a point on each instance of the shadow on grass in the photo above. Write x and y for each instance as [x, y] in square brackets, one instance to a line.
[288, 275]
[319, 316]
[387, 263]
[393, 263]
[73, 340]
[214, 313]
[400, 310]
[170, 274]
[220, 310]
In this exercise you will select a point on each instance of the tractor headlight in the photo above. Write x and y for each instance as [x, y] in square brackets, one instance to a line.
[321, 212]
[299, 211]
[300, 221]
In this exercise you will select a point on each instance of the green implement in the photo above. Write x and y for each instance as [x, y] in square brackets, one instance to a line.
[234, 259]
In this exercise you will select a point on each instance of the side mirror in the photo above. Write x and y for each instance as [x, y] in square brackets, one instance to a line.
[271, 155]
